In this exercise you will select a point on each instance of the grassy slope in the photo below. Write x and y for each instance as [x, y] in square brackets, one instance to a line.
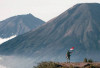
[68, 65]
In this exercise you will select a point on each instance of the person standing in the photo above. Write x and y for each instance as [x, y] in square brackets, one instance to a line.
[68, 56]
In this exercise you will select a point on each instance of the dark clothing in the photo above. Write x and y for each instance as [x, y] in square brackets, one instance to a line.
[68, 55]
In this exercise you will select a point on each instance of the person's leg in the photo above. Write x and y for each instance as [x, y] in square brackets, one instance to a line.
[69, 59]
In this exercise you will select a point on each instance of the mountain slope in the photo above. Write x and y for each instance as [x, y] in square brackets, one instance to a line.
[2, 40]
[78, 27]
[17, 25]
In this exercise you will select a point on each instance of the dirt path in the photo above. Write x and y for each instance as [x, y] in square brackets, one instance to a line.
[81, 64]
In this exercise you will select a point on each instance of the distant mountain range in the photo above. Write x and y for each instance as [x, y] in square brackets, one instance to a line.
[18, 25]
[79, 26]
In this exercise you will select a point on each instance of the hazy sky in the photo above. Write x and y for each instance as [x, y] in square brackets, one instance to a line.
[43, 9]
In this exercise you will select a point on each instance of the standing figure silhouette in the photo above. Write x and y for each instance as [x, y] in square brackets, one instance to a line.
[68, 56]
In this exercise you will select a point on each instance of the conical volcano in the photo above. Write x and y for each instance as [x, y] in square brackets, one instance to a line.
[77, 27]
[18, 25]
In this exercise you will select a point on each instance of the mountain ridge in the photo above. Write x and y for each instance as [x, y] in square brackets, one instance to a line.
[19, 24]
[75, 27]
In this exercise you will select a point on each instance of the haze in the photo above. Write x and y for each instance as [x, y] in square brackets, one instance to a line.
[43, 9]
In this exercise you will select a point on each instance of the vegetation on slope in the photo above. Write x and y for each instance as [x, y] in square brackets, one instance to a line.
[49, 65]
[87, 63]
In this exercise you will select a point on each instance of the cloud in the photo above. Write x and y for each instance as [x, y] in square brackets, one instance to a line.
[2, 40]
[17, 62]
[2, 66]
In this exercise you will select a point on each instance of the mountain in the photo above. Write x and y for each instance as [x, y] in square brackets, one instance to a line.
[79, 26]
[18, 25]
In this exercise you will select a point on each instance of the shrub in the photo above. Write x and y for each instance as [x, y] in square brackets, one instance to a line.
[71, 66]
[85, 59]
[92, 66]
[48, 65]
[90, 60]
